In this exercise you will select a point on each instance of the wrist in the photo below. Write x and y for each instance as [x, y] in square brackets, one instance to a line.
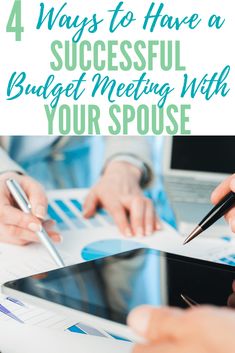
[122, 167]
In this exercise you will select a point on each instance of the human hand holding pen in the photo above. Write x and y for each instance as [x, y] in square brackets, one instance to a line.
[223, 189]
[19, 228]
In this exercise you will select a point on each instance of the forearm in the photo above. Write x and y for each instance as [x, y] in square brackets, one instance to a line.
[132, 150]
[7, 164]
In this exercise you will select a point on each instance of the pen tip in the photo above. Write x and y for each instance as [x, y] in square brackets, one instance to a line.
[193, 235]
[186, 241]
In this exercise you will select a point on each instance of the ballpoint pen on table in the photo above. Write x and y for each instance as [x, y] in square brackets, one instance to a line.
[217, 212]
[22, 201]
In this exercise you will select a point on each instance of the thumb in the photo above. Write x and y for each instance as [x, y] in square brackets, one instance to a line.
[155, 324]
[37, 197]
[225, 187]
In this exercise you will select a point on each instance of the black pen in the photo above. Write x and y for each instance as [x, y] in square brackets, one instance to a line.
[217, 212]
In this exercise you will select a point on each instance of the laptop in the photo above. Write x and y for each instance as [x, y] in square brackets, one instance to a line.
[192, 167]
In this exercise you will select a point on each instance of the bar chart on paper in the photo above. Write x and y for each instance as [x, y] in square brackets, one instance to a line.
[24, 313]
[66, 209]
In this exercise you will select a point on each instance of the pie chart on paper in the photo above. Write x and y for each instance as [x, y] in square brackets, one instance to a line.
[102, 248]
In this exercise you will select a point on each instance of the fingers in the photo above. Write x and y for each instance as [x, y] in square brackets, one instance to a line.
[231, 298]
[155, 324]
[90, 205]
[31, 237]
[15, 235]
[158, 348]
[230, 217]
[225, 187]
[152, 223]
[10, 215]
[149, 218]
[118, 212]
[133, 214]
[231, 301]
[233, 285]
[37, 197]
[137, 216]
[53, 234]
[143, 216]
[113, 206]
[17, 227]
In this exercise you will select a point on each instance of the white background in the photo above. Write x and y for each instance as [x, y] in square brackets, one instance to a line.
[204, 51]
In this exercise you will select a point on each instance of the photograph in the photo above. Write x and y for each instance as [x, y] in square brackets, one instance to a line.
[117, 177]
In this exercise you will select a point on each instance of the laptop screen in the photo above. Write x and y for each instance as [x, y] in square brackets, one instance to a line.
[204, 153]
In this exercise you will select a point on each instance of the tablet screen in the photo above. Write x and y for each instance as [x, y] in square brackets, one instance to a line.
[112, 286]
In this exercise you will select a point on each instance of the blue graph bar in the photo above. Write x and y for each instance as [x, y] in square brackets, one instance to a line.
[54, 215]
[76, 329]
[7, 312]
[77, 204]
[69, 213]
[15, 301]
[79, 207]
[119, 337]
[228, 260]
[90, 330]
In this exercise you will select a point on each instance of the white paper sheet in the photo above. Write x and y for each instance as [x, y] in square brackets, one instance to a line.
[15, 338]
[14, 310]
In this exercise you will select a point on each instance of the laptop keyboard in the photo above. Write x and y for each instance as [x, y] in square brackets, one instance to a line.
[189, 190]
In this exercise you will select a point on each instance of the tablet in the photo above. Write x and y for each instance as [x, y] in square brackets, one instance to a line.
[106, 290]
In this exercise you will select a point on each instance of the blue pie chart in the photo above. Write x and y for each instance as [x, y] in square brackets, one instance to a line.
[102, 248]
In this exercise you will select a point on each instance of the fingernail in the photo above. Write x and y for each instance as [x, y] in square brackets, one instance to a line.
[139, 320]
[57, 238]
[149, 230]
[34, 227]
[40, 212]
[128, 233]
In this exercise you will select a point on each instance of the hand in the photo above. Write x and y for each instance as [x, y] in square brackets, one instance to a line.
[197, 330]
[119, 192]
[231, 298]
[16, 227]
[224, 188]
